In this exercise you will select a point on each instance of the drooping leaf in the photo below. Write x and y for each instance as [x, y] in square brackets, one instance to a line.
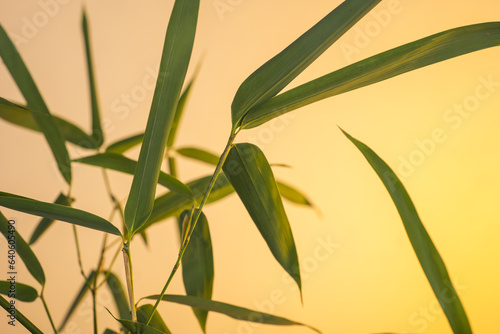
[57, 212]
[22, 249]
[45, 223]
[123, 164]
[19, 291]
[249, 173]
[232, 311]
[427, 254]
[137, 328]
[119, 296]
[177, 49]
[143, 313]
[198, 265]
[18, 316]
[199, 154]
[405, 58]
[278, 72]
[125, 144]
[19, 72]
[293, 195]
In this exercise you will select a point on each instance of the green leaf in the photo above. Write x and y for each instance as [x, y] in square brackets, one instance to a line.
[199, 154]
[44, 119]
[123, 164]
[18, 316]
[278, 72]
[232, 311]
[198, 265]
[177, 49]
[119, 296]
[14, 239]
[19, 291]
[156, 322]
[293, 195]
[45, 223]
[23, 117]
[249, 173]
[109, 331]
[78, 299]
[137, 328]
[179, 111]
[57, 212]
[427, 254]
[125, 144]
[97, 133]
[405, 58]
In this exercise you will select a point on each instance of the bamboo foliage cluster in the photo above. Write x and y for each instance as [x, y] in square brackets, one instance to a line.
[241, 168]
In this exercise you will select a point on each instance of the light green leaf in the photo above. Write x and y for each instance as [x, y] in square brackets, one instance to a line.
[278, 72]
[179, 111]
[45, 223]
[119, 296]
[44, 119]
[408, 57]
[137, 328]
[19, 291]
[293, 195]
[5, 304]
[123, 164]
[232, 311]
[199, 154]
[249, 173]
[427, 254]
[57, 212]
[78, 299]
[156, 322]
[198, 265]
[22, 249]
[177, 49]
[125, 144]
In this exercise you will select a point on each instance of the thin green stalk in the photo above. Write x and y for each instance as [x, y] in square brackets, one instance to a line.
[94, 307]
[108, 271]
[78, 253]
[94, 287]
[129, 277]
[45, 306]
[172, 166]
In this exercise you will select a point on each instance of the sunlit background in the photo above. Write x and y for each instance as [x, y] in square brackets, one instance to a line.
[360, 274]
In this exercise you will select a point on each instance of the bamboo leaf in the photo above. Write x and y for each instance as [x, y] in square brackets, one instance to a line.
[19, 291]
[249, 173]
[123, 164]
[16, 315]
[293, 195]
[119, 296]
[156, 322]
[177, 49]
[125, 144]
[45, 223]
[405, 58]
[198, 265]
[78, 299]
[179, 111]
[199, 154]
[16, 242]
[57, 212]
[109, 331]
[427, 254]
[136, 327]
[232, 311]
[28, 88]
[278, 72]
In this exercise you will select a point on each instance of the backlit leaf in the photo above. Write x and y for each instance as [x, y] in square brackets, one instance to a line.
[199, 154]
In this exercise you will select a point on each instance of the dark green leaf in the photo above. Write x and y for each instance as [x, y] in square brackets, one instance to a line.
[277, 73]
[249, 173]
[137, 328]
[408, 57]
[119, 296]
[78, 299]
[19, 291]
[45, 223]
[157, 322]
[177, 49]
[427, 254]
[109, 331]
[125, 144]
[199, 154]
[18, 316]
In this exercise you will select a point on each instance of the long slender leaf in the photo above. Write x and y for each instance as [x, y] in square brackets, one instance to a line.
[119, 296]
[18, 316]
[123, 164]
[427, 254]
[408, 57]
[22, 249]
[232, 311]
[27, 86]
[45, 223]
[278, 72]
[179, 111]
[177, 49]
[156, 322]
[199, 154]
[19, 291]
[57, 212]
[125, 144]
[251, 176]
[137, 328]
[198, 265]
[293, 195]
[109, 331]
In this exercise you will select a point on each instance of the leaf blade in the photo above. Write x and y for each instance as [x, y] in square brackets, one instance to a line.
[119, 296]
[5, 304]
[156, 322]
[21, 292]
[199, 154]
[45, 223]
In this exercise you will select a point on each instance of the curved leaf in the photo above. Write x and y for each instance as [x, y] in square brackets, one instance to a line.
[78, 299]
[119, 296]
[293, 195]
[5, 304]
[427, 254]
[45, 223]
[125, 144]
[199, 154]
[156, 322]
[249, 173]
[19, 291]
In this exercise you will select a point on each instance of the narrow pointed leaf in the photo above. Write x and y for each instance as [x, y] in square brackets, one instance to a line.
[23, 250]
[19, 291]
[293, 195]
[119, 296]
[123, 164]
[28, 88]
[5, 304]
[198, 265]
[277, 73]
[199, 154]
[178, 112]
[157, 322]
[125, 144]
[232, 311]
[427, 254]
[57, 212]
[45, 223]
[137, 328]
[406, 58]
[249, 173]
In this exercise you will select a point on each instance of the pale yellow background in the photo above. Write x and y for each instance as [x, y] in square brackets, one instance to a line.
[370, 281]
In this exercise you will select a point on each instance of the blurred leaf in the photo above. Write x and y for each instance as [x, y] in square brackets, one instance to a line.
[157, 322]
[405, 58]
[137, 328]
[125, 144]
[19, 291]
[249, 173]
[78, 299]
[45, 223]
[57, 212]
[23, 250]
[109, 331]
[179, 111]
[44, 119]
[199, 154]
[119, 296]
[123, 164]
[177, 49]
[293, 195]
[198, 265]
[278, 72]
[232, 311]
[19, 317]
[427, 254]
